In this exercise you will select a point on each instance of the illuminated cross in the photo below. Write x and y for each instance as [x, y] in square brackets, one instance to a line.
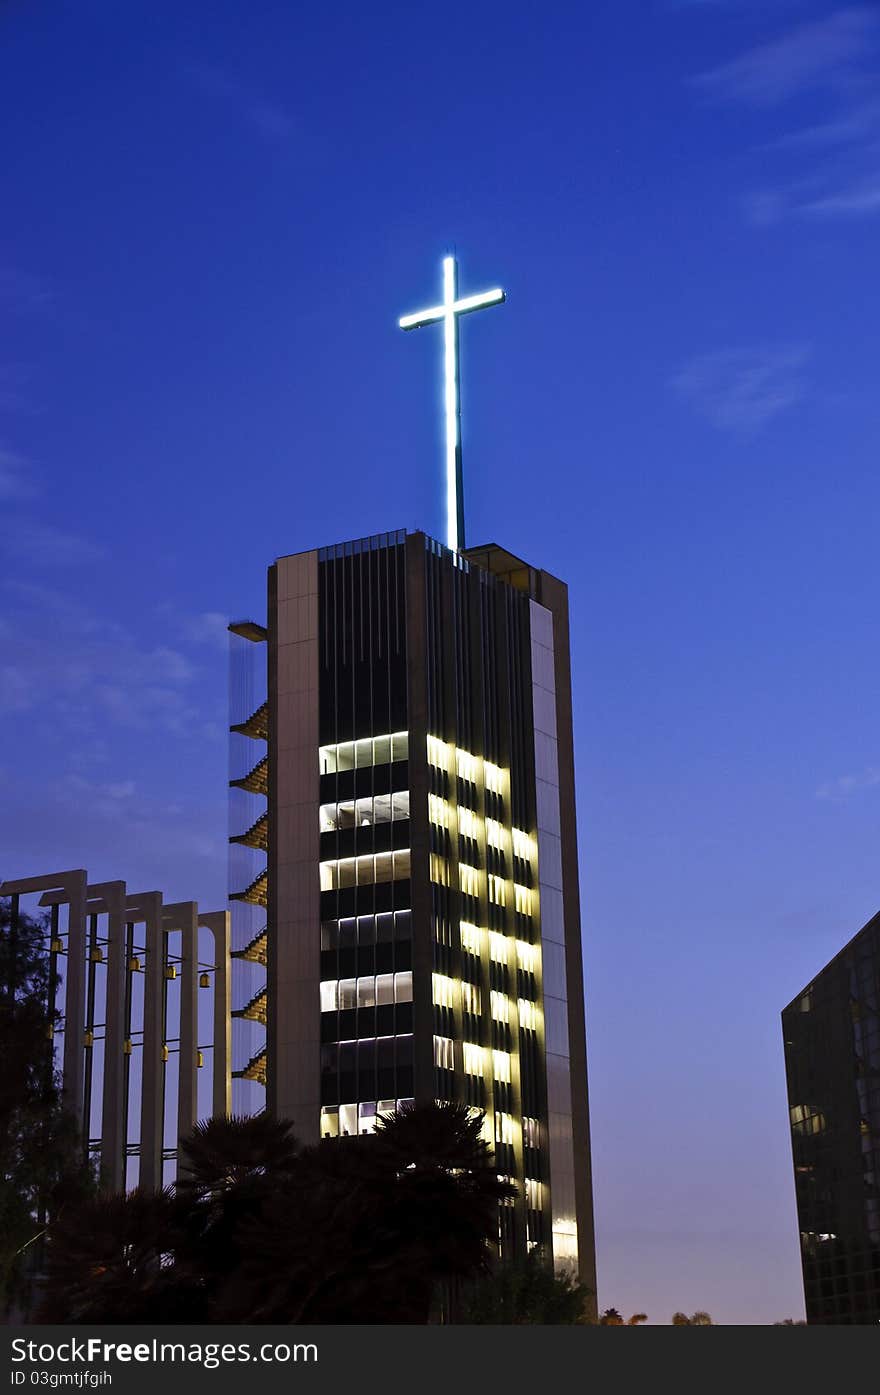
[449, 312]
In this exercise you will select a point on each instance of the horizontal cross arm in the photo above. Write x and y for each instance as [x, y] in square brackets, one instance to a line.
[477, 302]
[422, 317]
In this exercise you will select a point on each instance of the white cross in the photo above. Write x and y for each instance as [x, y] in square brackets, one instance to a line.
[449, 312]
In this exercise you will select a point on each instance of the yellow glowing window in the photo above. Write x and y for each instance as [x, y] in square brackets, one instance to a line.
[497, 890]
[439, 753]
[497, 947]
[528, 1014]
[471, 937]
[504, 1128]
[499, 1007]
[468, 879]
[807, 1119]
[438, 811]
[522, 845]
[496, 834]
[439, 870]
[473, 1058]
[527, 956]
[468, 823]
[444, 989]
[470, 997]
[501, 1066]
[444, 1053]
[466, 765]
[493, 776]
[522, 898]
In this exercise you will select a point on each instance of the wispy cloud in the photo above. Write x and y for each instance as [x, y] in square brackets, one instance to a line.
[743, 389]
[75, 668]
[828, 166]
[269, 119]
[817, 54]
[845, 785]
[32, 540]
[16, 477]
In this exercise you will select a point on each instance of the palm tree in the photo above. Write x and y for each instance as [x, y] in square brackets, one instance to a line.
[223, 1154]
[371, 1225]
[612, 1318]
[112, 1260]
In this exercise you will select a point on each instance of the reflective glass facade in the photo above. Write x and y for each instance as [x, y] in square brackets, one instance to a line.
[832, 1056]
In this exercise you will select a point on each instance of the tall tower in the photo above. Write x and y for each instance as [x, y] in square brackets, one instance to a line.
[405, 877]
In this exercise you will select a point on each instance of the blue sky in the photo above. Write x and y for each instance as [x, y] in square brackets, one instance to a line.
[213, 215]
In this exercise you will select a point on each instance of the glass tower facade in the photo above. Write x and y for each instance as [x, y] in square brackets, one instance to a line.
[832, 1057]
[411, 861]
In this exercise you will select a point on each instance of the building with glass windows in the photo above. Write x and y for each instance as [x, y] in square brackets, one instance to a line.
[832, 1059]
[403, 868]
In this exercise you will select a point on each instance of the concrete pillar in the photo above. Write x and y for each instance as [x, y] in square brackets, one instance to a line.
[218, 922]
[71, 887]
[184, 916]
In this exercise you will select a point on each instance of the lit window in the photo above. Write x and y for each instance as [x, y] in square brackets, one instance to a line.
[367, 1118]
[522, 898]
[468, 822]
[494, 777]
[528, 1014]
[365, 871]
[473, 1058]
[384, 989]
[329, 995]
[807, 1119]
[403, 987]
[348, 1120]
[534, 1195]
[499, 1007]
[373, 750]
[501, 1065]
[357, 813]
[439, 870]
[496, 835]
[366, 992]
[347, 993]
[443, 990]
[531, 1133]
[497, 890]
[497, 947]
[439, 753]
[329, 1123]
[466, 765]
[438, 811]
[471, 937]
[470, 998]
[468, 879]
[528, 957]
[444, 1056]
[522, 845]
[504, 1128]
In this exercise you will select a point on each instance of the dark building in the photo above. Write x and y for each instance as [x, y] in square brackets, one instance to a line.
[404, 870]
[832, 1060]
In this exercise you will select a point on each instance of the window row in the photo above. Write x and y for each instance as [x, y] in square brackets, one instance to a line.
[338, 995]
[361, 813]
[353, 931]
[355, 755]
[366, 870]
[351, 1119]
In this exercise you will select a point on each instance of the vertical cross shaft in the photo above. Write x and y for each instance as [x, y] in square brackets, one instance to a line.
[449, 313]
